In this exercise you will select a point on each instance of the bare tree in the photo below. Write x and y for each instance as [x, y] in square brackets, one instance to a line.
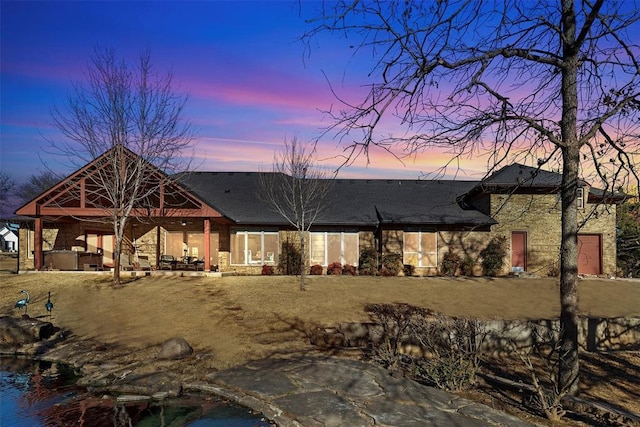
[297, 189]
[539, 82]
[7, 184]
[127, 122]
[37, 184]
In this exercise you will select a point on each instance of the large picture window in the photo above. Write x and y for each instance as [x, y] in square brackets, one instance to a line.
[421, 248]
[326, 248]
[254, 247]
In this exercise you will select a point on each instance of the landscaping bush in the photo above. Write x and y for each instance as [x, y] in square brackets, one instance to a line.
[290, 261]
[267, 270]
[409, 269]
[368, 262]
[452, 343]
[391, 264]
[467, 266]
[493, 256]
[450, 264]
[349, 270]
[315, 270]
[335, 268]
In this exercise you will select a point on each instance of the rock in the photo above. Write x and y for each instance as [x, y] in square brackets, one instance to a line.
[132, 398]
[20, 331]
[175, 348]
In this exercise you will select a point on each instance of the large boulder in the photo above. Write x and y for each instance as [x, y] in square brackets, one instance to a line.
[175, 348]
[19, 331]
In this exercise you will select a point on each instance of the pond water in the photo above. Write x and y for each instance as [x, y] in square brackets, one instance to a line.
[43, 394]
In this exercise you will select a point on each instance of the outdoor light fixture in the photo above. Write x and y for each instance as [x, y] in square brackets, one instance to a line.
[184, 223]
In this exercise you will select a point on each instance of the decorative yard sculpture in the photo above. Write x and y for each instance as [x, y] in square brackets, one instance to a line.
[24, 302]
[49, 305]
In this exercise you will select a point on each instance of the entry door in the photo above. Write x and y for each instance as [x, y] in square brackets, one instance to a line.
[518, 251]
[589, 254]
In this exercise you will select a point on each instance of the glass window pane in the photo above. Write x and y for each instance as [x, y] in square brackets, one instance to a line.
[334, 248]
[317, 248]
[411, 242]
[411, 248]
[351, 248]
[195, 241]
[237, 248]
[270, 248]
[429, 250]
[254, 246]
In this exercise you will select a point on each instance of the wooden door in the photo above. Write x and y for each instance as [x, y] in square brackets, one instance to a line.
[518, 251]
[589, 254]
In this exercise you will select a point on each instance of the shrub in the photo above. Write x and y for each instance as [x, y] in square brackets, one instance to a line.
[493, 255]
[453, 343]
[391, 264]
[368, 262]
[348, 270]
[315, 270]
[289, 261]
[450, 264]
[267, 270]
[467, 265]
[408, 269]
[335, 268]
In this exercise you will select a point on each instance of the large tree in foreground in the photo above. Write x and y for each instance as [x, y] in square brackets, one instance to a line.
[535, 81]
[297, 189]
[127, 121]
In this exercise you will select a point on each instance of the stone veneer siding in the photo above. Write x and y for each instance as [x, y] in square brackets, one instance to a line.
[540, 217]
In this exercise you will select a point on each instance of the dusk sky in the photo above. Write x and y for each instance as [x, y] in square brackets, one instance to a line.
[250, 82]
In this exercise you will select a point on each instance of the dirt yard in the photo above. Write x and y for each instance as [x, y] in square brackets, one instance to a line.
[241, 318]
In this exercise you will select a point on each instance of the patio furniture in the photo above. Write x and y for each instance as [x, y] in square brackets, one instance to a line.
[143, 263]
[125, 263]
[167, 262]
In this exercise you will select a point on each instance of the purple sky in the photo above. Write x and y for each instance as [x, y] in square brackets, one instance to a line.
[249, 80]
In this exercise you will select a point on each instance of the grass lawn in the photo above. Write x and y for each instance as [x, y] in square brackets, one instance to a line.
[240, 318]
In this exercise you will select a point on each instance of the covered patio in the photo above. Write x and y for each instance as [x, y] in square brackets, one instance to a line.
[71, 228]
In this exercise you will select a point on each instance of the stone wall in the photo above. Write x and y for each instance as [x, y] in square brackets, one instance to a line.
[499, 336]
[540, 217]
[595, 334]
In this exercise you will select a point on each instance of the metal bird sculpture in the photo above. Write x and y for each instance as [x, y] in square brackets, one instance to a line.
[24, 302]
[49, 305]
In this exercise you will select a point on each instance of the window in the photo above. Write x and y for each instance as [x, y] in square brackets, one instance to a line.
[326, 248]
[580, 198]
[254, 247]
[421, 249]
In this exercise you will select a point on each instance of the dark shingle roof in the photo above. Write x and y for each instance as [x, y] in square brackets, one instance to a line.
[356, 202]
[523, 176]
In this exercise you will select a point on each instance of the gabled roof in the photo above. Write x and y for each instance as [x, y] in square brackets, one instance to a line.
[355, 202]
[78, 195]
[538, 180]
[522, 176]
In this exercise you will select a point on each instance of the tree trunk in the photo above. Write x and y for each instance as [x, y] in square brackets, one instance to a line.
[303, 261]
[568, 365]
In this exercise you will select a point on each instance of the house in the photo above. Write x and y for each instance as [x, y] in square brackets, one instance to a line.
[224, 225]
[8, 238]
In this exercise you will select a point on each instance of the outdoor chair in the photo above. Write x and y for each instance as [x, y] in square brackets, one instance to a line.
[167, 262]
[143, 263]
[125, 264]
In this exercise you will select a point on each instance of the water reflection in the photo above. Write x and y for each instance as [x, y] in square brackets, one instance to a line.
[43, 394]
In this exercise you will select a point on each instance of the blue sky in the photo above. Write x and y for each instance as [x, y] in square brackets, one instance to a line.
[250, 82]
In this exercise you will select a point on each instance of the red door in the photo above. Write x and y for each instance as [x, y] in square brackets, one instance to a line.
[589, 254]
[518, 251]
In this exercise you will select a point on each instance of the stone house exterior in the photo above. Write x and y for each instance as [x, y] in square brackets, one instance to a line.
[228, 228]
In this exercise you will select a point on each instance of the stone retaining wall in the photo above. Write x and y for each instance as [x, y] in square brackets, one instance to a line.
[498, 336]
